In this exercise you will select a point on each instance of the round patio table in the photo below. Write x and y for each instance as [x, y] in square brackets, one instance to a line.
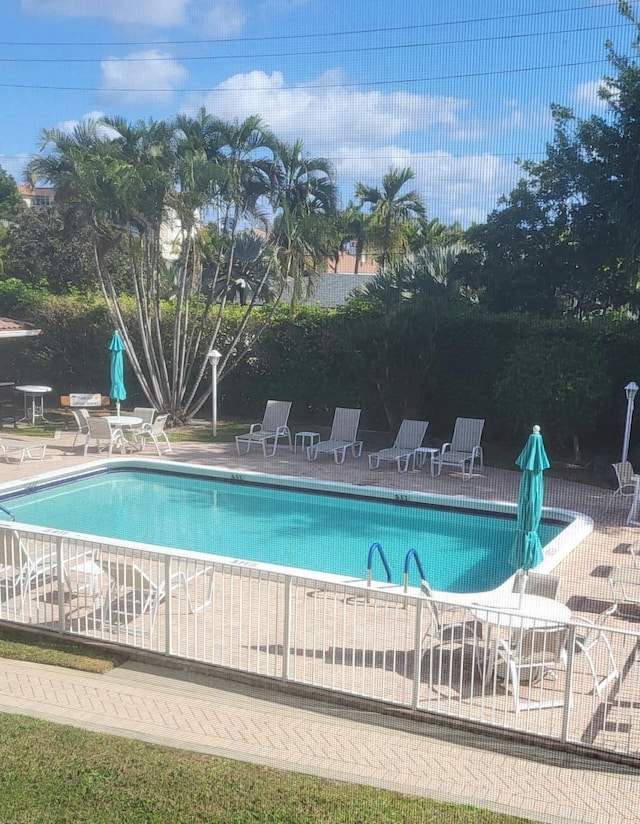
[33, 402]
[124, 422]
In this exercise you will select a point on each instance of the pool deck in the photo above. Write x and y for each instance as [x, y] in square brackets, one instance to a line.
[253, 724]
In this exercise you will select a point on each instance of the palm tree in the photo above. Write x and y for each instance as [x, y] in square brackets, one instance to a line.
[390, 211]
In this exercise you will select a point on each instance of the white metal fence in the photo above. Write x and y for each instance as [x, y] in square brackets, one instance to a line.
[573, 683]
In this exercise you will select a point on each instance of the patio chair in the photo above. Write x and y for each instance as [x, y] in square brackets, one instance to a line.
[538, 653]
[273, 427]
[625, 478]
[24, 447]
[101, 431]
[147, 413]
[446, 618]
[18, 569]
[409, 438]
[591, 636]
[464, 446]
[143, 590]
[82, 421]
[343, 436]
[625, 588]
[535, 583]
[153, 432]
[634, 551]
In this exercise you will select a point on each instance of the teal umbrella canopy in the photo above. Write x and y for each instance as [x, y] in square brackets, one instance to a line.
[118, 391]
[527, 548]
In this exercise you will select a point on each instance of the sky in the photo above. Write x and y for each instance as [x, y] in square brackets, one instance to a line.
[457, 91]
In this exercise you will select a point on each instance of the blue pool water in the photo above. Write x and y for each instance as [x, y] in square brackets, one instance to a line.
[459, 551]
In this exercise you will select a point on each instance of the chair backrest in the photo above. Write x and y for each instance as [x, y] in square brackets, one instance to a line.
[625, 584]
[146, 413]
[411, 434]
[276, 414]
[543, 646]
[546, 586]
[345, 424]
[99, 427]
[82, 419]
[624, 475]
[467, 434]
[157, 427]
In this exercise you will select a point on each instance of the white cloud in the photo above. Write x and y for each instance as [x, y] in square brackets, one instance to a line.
[143, 77]
[161, 13]
[225, 18]
[68, 126]
[586, 96]
[327, 110]
[455, 187]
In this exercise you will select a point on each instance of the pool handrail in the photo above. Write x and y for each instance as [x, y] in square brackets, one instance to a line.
[372, 549]
[413, 553]
[7, 512]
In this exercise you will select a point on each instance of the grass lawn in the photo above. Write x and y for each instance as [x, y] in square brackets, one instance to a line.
[25, 646]
[53, 774]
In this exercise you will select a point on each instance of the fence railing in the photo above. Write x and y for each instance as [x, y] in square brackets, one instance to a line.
[572, 683]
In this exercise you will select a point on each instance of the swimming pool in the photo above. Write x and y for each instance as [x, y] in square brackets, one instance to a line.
[463, 545]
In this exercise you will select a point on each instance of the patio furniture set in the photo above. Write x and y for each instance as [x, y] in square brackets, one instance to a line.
[463, 451]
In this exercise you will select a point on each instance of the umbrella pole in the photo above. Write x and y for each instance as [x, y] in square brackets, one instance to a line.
[524, 577]
[118, 408]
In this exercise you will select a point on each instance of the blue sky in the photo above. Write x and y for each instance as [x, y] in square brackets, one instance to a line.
[457, 91]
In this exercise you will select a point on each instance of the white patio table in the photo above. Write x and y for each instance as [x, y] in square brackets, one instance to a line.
[125, 423]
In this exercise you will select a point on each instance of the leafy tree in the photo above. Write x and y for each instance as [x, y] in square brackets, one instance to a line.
[11, 206]
[145, 187]
[390, 212]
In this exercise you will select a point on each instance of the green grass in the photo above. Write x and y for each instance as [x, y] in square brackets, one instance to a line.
[24, 646]
[52, 774]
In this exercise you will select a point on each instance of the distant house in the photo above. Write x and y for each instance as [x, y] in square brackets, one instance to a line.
[10, 328]
[38, 197]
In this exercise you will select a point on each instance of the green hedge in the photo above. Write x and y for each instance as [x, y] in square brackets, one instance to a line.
[514, 371]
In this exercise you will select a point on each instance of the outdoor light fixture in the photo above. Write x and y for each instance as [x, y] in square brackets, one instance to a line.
[631, 390]
[214, 359]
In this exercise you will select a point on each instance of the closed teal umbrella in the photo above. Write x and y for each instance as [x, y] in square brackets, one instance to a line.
[527, 548]
[118, 390]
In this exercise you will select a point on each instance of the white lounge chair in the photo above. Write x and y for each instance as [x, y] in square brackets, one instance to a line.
[82, 420]
[101, 431]
[464, 446]
[18, 568]
[625, 478]
[153, 432]
[275, 425]
[409, 438]
[143, 590]
[591, 636]
[625, 588]
[24, 447]
[343, 436]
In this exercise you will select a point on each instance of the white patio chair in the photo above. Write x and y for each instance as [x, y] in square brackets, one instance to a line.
[592, 635]
[102, 432]
[343, 436]
[82, 420]
[464, 446]
[18, 569]
[625, 588]
[146, 413]
[446, 618]
[625, 478]
[142, 591]
[409, 438]
[537, 654]
[275, 425]
[153, 432]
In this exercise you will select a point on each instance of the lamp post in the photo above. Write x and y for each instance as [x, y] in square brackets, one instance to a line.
[214, 359]
[631, 390]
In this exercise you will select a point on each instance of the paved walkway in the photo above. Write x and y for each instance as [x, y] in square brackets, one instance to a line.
[226, 719]
[213, 716]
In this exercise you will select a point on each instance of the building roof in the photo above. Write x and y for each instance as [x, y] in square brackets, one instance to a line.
[10, 328]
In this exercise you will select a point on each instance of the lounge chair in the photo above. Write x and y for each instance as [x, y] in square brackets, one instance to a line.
[143, 590]
[625, 588]
[409, 438]
[344, 433]
[592, 634]
[101, 431]
[18, 568]
[82, 420]
[625, 478]
[464, 446]
[153, 432]
[24, 447]
[275, 425]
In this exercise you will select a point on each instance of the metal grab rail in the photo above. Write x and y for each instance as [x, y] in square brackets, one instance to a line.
[413, 553]
[6, 511]
[383, 558]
